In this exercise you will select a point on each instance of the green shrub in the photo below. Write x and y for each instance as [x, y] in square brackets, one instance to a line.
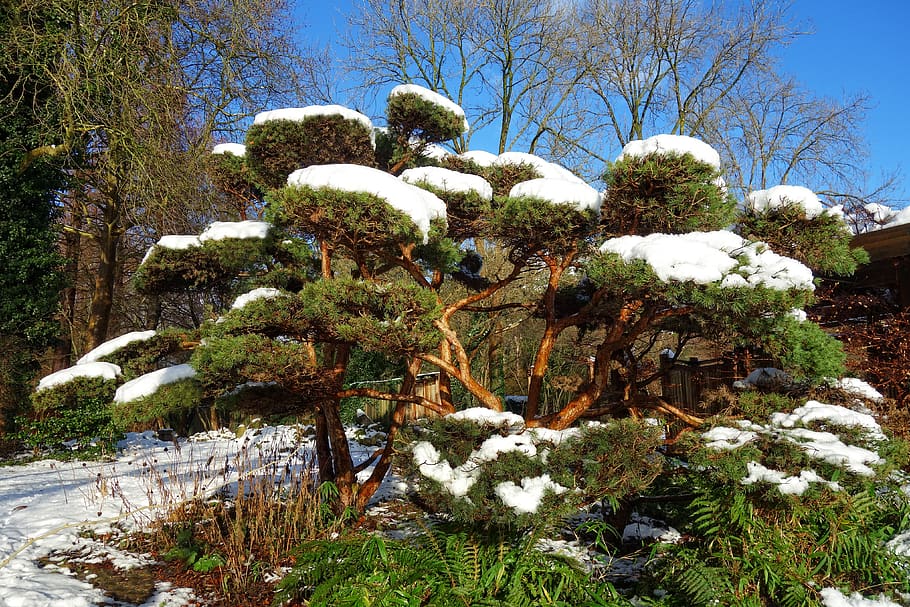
[277, 148]
[666, 193]
[76, 412]
[761, 544]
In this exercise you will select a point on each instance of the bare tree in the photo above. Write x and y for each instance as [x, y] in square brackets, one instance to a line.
[142, 89]
[506, 56]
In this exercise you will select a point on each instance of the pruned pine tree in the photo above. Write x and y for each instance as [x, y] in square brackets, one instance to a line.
[354, 257]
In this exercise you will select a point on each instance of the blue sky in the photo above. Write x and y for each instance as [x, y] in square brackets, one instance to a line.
[855, 47]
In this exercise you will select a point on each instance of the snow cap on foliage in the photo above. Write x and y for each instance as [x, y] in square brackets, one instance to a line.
[546, 169]
[559, 191]
[432, 97]
[298, 114]
[235, 149]
[148, 384]
[526, 498]
[260, 293]
[479, 157]
[487, 417]
[712, 257]
[787, 485]
[112, 345]
[832, 597]
[899, 218]
[176, 242]
[724, 437]
[814, 411]
[447, 180]
[435, 151]
[671, 144]
[89, 369]
[781, 196]
[418, 204]
[222, 230]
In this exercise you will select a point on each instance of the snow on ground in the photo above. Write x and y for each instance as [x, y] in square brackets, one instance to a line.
[48, 505]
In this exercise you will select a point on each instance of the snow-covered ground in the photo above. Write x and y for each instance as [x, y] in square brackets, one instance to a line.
[51, 506]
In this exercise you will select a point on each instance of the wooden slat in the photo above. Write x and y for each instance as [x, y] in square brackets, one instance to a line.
[886, 243]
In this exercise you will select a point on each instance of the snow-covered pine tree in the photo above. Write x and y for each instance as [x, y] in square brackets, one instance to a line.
[352, 256]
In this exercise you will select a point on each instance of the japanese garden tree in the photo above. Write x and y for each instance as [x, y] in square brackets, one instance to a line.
[352, 257]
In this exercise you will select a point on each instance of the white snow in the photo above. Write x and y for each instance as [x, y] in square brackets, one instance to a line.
[298, 114]
[526, 498]
[671, 144]
[828, 447]
[222, 230]
[112, 345]
[177, 242]
[419, 204]
[147, 384]
[431, 96]
[780, 196]
[787, 485]
[236, 149]
[89, 369]
[47, 506]
[549, 170]
[901, 217]
[832, 597]
[724, 437]
[857, 387]
[260, 293]
[559, 191]
[712, 257]
[447, 180]
[481, 158]
[487, 417]
[815, 411]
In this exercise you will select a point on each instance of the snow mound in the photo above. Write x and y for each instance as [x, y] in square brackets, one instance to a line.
[89, 369]
[671, 144]
[487, 417]
[432, 97]
[148, 384]
[858, 387]
[222, 230]
[781, 196]
[712, 257]
[526, 498]
[299, 114]
[559, 191]
[235, 149]
[549, 170]
[418, 204]
[261, 293]
[445, 179]
[112, 345]
[480, 157]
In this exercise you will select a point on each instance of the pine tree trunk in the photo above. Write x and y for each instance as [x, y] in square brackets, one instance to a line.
[105, 277]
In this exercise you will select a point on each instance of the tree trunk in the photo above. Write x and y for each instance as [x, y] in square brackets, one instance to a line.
[105, 276]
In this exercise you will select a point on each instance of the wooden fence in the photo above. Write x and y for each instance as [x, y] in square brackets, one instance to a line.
[685, 381]
[427, 386]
